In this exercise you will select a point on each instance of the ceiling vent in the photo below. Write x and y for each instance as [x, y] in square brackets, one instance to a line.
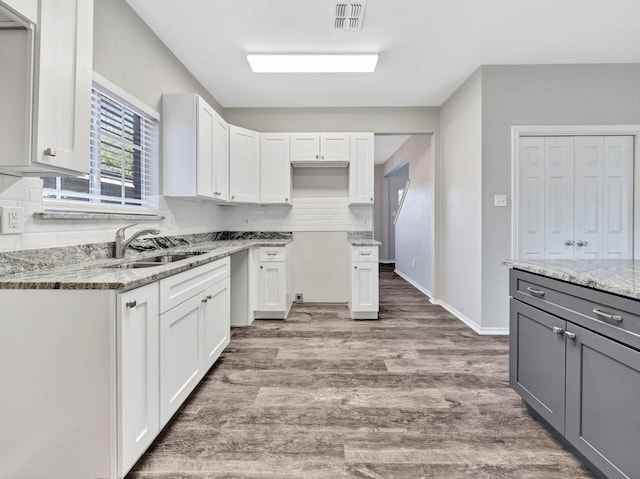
[349, 15]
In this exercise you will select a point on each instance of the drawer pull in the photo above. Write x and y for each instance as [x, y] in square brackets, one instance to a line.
[535, 292]
[365, 253]
[570, 335]
[602, 314]
[272, 253]
[131, 304]
[557, 330]
[207, 298]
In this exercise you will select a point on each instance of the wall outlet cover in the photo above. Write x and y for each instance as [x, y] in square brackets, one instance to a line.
[500, 200]
[299, 298]
[11, 220]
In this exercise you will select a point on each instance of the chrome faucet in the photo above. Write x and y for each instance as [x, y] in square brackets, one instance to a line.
[122, 243]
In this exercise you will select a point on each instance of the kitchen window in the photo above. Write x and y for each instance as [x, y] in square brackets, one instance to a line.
[123, 171]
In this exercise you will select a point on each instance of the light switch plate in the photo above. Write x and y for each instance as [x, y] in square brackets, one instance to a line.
[11, 220]
[500, 200]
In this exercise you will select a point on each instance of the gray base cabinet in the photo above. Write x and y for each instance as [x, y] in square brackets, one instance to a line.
[579, 369]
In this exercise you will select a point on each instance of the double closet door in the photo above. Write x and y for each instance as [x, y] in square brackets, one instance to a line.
[575, 197]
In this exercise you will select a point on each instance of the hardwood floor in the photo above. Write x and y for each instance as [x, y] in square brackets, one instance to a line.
[415, 394]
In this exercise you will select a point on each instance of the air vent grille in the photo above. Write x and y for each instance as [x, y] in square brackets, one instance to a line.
[349, 15]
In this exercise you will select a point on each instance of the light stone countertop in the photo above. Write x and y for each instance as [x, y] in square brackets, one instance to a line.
[617, 276]
[94, 274]
[362, 238]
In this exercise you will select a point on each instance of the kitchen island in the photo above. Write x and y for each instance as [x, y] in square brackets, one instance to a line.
[575, 355]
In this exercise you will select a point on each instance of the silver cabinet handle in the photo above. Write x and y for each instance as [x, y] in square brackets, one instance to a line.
[131, 304]
[233, 197]
[569, 242]
[557, 330]
[261, 267]
[355, 267]
[207, 298]
[371, 198]
[286, 199]
[317, 156]
[365, 253]
[570, 335]
[581, 243]
[535, 292]
[50, 152]
[272, 253]
[611, 317]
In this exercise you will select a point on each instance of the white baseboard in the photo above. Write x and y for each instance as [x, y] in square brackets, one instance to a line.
[419, 287]
[472, 324]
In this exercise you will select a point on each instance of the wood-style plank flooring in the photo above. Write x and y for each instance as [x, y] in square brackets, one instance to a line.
[416, 394]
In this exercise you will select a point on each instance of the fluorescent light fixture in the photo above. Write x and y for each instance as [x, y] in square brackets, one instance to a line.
[313, 63]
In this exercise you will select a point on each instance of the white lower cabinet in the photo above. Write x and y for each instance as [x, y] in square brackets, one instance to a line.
[137, 373]
[364, 283]
[275, 285]
[216, 322]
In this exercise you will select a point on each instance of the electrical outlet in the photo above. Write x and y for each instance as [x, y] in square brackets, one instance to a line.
[11, 220]
[299, 298]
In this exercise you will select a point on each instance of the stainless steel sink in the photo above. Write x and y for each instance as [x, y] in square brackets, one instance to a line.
[153, 261]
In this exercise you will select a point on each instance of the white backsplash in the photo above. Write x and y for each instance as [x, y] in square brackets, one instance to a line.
[181, 217]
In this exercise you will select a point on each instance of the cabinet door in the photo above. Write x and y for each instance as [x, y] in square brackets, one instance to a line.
[221, 158]
[603, 387]
[361, 169]
[335, 146]
[65, 42]
[216, 322]
[536, 361]
[275, 168]
[244, 165]
[206, 181]
[272, 294]
[180, 355]
[364, 286]
[27, 8]
[305, 146]
[137, 373]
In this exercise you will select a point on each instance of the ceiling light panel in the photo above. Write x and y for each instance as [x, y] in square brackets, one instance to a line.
[348, 15]
[313, 63]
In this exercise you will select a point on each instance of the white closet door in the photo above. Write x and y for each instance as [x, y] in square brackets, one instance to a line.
[589, 168]
[618, 197]
[559, 200]
[531, 204]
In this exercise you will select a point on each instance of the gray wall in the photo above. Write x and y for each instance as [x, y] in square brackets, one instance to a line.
[459, 201]
[414, 231]
[135, 59]
[537, 95]
[379, 210]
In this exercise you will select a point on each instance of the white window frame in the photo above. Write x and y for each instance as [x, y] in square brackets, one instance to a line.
[120, 95]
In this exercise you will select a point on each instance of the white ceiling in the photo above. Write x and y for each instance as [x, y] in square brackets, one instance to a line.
[427, 47]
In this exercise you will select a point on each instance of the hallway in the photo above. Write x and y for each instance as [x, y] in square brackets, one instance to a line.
[415, 394]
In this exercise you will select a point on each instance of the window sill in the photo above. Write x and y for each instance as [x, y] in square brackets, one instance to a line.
[72, 215]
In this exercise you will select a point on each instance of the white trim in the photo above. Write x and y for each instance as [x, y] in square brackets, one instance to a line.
[126, 96]
[572, 130]
[419, 287]
[472, 324]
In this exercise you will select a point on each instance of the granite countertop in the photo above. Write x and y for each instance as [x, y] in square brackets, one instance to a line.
[362, 238]
[617, 276]
[96, 274]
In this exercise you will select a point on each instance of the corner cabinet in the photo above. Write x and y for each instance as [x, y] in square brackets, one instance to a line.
[195, 149]
[575, 360]
[275, 169]
[363, 282]
[244, 160]
[361, 169]
[56, 112]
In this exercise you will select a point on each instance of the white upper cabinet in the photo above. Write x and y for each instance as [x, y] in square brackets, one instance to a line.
[51, 96]
[195, 148]
[361, 169]
[65, 41]
[244, 165]
[330, 149]
[275, 169]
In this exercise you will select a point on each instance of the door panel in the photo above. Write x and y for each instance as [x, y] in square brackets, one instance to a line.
[531, 208]
[216, 325]
[536, 361]
[589, 169]
[206, 179]
[364, 286]
[617, 241]
[559, 197]
[603, 387]
[271, 289]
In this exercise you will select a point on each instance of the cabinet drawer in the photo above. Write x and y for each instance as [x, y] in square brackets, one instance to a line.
[605, 313]
[277, 253]
[364, 253]
[180, 287]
